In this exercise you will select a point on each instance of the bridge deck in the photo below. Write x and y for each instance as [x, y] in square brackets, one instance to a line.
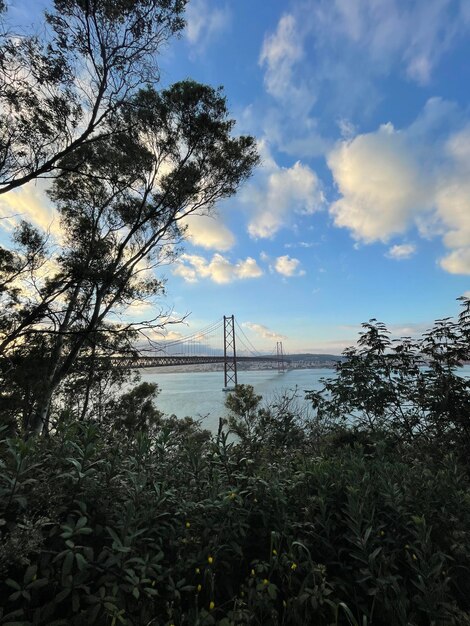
[165, 361]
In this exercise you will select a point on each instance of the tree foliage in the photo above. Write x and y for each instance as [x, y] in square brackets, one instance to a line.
[58, 92]
[134, 162]
[121, 206]
[411, 388]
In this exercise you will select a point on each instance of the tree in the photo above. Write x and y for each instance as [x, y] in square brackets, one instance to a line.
[277, 426]
[58, 92]
[121, 204]
[411, 389]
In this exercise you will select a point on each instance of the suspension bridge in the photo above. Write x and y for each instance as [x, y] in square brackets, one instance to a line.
[223, 341]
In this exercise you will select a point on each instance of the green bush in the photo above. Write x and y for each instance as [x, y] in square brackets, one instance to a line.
[176, 527]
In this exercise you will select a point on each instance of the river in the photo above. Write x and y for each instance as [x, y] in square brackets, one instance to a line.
[200, 395]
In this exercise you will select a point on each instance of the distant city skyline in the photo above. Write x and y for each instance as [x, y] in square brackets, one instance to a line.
[361, 207]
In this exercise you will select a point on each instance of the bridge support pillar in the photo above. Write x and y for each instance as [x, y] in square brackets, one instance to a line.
[280, 357]
[230, 354]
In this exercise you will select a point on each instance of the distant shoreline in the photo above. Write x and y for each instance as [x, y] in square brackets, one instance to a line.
[242, 367]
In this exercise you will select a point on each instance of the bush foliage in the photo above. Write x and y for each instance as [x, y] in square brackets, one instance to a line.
[178, 527]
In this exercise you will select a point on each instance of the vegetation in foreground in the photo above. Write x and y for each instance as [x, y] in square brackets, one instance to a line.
[139, 519]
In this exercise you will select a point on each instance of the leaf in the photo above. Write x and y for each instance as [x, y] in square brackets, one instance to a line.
[30, 573]
[40, 582]
[67, 564]
[13, 584]
[349, 615]
[375, 553]
[114, 536]
[81, 562]
[62, 595]
[14, 596]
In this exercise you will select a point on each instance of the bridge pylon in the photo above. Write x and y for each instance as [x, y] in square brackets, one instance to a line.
[280, 357]
[230, 353]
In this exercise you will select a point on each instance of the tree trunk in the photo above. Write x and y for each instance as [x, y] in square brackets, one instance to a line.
[40, 417]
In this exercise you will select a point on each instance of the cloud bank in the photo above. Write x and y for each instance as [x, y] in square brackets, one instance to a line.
[218, 269]
[390, 181]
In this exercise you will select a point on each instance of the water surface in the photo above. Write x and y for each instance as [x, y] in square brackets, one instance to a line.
[200, 394]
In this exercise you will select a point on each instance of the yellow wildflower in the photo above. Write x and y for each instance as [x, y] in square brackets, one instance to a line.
[199, 588]
[232, 495]
[382, 533]
[252, 572]
[414, 557]
[211, 605]
[293, 566]
[188, 525]
[210, 560]
[265, 581]
[197, 570]
[275, 552]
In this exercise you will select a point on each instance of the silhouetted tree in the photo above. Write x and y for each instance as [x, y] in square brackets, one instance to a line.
[121, 204]
[58, 91]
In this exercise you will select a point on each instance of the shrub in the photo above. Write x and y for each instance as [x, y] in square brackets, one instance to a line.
[176, 527]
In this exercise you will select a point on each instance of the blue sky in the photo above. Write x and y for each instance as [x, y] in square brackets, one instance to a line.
[361, 207]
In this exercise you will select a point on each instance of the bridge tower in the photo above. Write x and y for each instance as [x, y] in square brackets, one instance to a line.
[230, 353]
[280, 357]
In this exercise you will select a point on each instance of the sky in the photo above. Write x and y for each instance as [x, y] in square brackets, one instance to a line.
[361, 206]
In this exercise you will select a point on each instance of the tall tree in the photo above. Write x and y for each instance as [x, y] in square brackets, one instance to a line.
[58, 92]
[122, 203]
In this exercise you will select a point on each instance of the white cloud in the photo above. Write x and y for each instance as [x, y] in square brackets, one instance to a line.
[299, 244]
[278, 193]
[381, 184]
[205, 19]
[419, 177]
[457, 261]
[346, 128]
[209, 232]
[386, 33]
[453, 203]
[288, 266]
[401, 251]
[219, 269]
[280, 53]
[263, 331]
[313, 55]
[29, 203]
